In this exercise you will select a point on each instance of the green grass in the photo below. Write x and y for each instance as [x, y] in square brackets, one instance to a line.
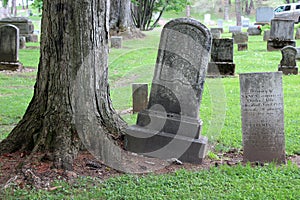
[239, 182]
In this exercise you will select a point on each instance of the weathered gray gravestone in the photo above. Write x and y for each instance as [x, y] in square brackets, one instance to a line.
[288, 62]
[245, 22]
[216, 33]
[262, 117]
[264, 15]
[170, 126]
[240, 38]
[281, 34]
[116, 41]
[221, 62]
[235, 29]
[297, 36]
[242, 47]
[139, 96]
[220, 23]
[9, 47]
[266, 35]
[254, 30]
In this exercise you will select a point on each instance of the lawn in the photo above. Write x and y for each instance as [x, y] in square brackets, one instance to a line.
[220, 112]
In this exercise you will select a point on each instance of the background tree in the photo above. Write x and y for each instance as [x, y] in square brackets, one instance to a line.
[238, 12]
[147, 13]
[120, 19]
[226, 10]
[14, 8]
[71, 94]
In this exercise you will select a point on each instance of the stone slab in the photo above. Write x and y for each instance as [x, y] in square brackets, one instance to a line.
[165, 145]
[262, 117]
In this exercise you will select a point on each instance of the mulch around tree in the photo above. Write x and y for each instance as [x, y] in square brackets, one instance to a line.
[15, 170]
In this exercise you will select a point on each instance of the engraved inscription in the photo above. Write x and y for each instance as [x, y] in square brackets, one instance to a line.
[262, 116]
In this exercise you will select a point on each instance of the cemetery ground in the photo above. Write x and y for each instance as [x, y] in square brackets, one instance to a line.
[223, 175]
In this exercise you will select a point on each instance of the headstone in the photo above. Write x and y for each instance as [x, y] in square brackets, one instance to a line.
[235, 29]
[264, 15]
[207, 18]
[288, 62]
[139, 96]
[116, 41]
[220, 23]
[245, 22]
[281, 34]
[221, 62]
[217, 29]
[22, 43]
[242, 47]
[25, 26]
[239, 38]
[170, 126]
[297, 37]
[216, 33]
[9, 47]
[298, 53]
[254, 30]
[262, 117]
[266, 35]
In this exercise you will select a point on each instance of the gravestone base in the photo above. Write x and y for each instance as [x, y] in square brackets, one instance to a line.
[242, 47]
[170, 123]
[10, 66]
[220, 68]
[288, 70]
[274, 45]
[155, 144]
[252, 155]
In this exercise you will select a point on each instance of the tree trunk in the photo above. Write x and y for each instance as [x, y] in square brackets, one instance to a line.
[14, 8]
[120, 21]
[71, 101]
[238, 12]
[226, 10]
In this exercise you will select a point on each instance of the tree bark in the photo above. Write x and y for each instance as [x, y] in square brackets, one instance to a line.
[226, 10]
[120, 21]
[71, 95]
[238, 12]
[14, 8]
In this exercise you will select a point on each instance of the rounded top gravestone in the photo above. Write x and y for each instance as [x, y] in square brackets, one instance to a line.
[9, 43]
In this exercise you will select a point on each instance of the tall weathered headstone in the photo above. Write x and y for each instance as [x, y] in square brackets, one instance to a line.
[262, 117]
[264, 15]
[288, 62]
[170, 126]
[139, 96]
[281, 34]
[9, 47]
[221, 62]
